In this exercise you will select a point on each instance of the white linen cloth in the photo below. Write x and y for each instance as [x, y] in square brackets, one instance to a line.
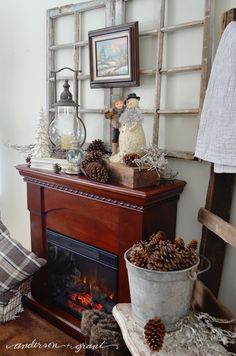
[216, 141]
[222, 168]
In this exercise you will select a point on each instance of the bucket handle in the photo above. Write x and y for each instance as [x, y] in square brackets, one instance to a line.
[207, 267]
[194, 275]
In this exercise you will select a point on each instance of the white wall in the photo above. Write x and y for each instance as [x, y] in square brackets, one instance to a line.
[23, 78]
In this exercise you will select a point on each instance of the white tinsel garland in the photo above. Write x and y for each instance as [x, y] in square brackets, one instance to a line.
[155, 159]
[26, 150]
[198, 335]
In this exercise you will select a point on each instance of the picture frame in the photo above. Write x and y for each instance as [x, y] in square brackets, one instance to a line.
[114, 56]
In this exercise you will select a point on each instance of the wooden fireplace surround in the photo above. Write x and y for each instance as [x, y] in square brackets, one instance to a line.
[107, 216]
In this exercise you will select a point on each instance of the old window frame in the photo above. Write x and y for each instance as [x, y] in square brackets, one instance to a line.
[115, 15]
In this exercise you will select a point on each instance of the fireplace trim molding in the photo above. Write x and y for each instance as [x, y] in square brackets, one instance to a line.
[82, 194]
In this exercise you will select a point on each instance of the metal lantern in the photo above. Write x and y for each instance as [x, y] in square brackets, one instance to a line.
[67, 125]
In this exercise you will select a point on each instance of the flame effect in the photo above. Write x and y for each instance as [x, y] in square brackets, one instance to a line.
[80, 301]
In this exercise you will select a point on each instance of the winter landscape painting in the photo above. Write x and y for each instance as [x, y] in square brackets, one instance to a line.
[114, 56]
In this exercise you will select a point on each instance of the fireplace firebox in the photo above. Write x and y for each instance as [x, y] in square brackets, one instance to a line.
[80, 276]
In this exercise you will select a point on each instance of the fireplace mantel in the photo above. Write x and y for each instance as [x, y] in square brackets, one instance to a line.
[107, 216]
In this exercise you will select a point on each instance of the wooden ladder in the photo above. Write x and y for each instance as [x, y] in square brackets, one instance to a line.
[218, 201]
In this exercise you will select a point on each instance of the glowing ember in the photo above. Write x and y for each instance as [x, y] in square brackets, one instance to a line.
[98, 307]
[82, 300]
[75, 307]
[85, 300]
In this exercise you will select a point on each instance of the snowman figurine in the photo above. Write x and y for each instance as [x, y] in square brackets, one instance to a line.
[132, 137]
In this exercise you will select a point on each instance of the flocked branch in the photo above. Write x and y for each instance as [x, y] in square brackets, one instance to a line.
[155, 159]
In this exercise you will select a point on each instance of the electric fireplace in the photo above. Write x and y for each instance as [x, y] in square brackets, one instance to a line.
[80, 276]
[106, 217]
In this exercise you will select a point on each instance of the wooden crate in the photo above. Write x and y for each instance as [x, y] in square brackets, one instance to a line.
[133, 177]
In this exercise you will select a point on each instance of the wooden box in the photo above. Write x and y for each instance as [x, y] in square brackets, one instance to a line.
[133, 177]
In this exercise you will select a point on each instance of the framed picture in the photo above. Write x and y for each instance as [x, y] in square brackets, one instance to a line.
[114, 56]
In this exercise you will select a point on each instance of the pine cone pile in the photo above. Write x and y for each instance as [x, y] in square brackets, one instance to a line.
[129, 159]
[154, 332]
[97, 172]
[94, 165]
[96, 145]
[160, 254]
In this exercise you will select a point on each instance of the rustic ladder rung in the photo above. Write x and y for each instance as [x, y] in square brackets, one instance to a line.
[218, 226]
[178, 111]
[190, 68]
[182, 26]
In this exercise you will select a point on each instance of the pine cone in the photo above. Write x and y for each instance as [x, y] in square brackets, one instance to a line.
[56, 168]
[28, 160]
[192, 245]
[96, 145]
[179, 242]
[93, 156]
[97, 172]
[142, 243]
[138, 257]
[154, 332]
[154, 241]
[188, 258]
[129, 159]
[165, 258]
[157, 237]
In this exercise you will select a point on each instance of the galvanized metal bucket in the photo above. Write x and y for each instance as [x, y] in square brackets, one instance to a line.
[163, 294]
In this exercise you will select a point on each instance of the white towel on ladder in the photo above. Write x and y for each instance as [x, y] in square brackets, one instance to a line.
[216, 141]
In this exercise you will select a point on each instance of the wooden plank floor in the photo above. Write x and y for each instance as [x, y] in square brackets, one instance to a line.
[41, 337]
